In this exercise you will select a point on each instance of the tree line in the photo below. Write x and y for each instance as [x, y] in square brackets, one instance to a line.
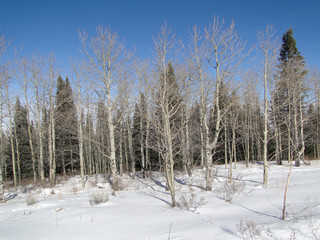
[195, 104]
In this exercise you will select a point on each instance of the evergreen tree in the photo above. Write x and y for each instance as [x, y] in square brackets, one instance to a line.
[288, 98]
[66, 131]
[22, 146]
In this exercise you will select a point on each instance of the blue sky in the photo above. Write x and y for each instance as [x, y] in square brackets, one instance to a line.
[46, 26]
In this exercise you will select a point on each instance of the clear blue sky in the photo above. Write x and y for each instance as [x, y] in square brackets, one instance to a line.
[46, 26]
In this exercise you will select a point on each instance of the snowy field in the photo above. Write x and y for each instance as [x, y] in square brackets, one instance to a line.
[240, 210]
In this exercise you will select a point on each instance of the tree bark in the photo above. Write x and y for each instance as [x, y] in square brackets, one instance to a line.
[112, 158]
[143, 163]
[132, 159]
[18, 154]
[13, 158]
[33, 157]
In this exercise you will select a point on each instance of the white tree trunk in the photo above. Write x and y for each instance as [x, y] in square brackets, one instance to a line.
[33, 157]
[40, 139]
[112, 158]
[132, 160]
[13, 158]
[143, 163]
[120, 151]
[80, 134]
[1, 183]
[265, 126]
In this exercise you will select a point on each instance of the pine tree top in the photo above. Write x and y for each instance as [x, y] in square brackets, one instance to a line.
[289, 48]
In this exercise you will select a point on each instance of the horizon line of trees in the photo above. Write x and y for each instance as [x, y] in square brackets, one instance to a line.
[193, 106]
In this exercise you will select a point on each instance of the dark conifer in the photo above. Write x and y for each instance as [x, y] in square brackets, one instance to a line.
[66, 128]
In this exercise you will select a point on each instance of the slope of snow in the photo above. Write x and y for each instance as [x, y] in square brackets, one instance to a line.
[239, 210]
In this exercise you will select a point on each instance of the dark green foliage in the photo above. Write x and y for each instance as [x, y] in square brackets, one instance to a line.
[66, 130]
[290, 90]
[292, 64]
[289, 48]
[21, 142]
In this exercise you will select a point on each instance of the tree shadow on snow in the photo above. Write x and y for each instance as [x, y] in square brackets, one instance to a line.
[257, 212]
[228, 230]
[222, 178]
[159, 184]
[162, 200]
[182, 182]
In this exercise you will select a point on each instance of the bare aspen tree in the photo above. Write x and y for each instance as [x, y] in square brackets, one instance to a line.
[276, 123]
[107, 58]
[130, 145]
[268, 46]
[185, 75]
[197, 52]
[1, 186]
[13, 156]
[37, 65]
[51, 130]
[248, 129]
[80, 82]
[143, 162]
[4, 63]
[164, 92]
[284, 204]
[17, 146]
[141, 71]
[144, 74]
[124, 90]
[1, 143]
[3, 84]
[224, 49]
[233, 113]
[121, 149]
[318, 117]
[24, 68]
[88, 129]
[225, 142]
[315, 84]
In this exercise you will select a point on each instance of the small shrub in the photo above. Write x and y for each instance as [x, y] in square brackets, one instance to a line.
[230, 190]
[74, 190]
[31, 200]
[94, 181]
[249, 229]
[190, 202]
[98, 198]
[118, 185]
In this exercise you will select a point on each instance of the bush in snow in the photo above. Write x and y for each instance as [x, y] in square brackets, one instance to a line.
[98, 198]
[249, 229]
[31, 200]
[230, 190]
[190, 202]
[118, 186]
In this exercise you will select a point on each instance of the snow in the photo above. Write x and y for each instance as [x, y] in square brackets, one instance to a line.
[142, 210]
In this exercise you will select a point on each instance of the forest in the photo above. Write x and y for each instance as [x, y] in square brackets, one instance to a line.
[209, 101]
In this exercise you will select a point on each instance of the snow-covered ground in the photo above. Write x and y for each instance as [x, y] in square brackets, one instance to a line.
[240, 210]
